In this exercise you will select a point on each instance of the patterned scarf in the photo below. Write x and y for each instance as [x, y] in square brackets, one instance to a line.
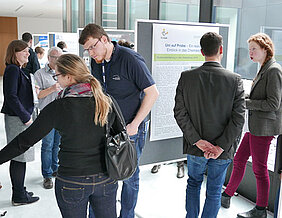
[76, 90]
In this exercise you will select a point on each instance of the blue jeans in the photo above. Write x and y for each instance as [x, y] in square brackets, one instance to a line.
[74, 193]
[276, 203]
[49, 153]
[215, 179]
[130, 187]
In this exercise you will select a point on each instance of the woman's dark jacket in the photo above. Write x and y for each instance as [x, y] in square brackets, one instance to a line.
[264, 103]
[82, 149]
[18, 98]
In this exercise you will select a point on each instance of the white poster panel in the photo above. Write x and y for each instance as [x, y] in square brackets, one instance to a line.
[277, 38]
[116, 35]
[175, 48]
[41, 40]
[71, 39]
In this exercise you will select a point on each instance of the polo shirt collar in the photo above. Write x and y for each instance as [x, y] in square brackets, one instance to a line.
[115, 52]
[48, 69]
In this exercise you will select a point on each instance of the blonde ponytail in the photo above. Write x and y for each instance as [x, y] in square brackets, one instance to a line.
[75, 66]
[102, 102]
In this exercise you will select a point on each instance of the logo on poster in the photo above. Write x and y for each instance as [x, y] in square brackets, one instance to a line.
[164, 34]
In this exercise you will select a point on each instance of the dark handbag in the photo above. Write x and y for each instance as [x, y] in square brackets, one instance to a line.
[120, 154]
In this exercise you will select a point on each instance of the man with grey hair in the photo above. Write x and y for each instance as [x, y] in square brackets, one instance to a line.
[46, 79]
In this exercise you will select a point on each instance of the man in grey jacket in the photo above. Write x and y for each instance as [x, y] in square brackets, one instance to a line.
[209, 109]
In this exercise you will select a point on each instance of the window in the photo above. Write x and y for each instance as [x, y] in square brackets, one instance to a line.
[137, 9]
[89, 11]
[179, 10]
[109, 14]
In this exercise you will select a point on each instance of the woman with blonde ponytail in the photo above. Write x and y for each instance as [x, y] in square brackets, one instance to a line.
[79, 113]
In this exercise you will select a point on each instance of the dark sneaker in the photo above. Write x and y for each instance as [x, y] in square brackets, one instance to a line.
[48, 183]
[180, 172]
[54, 174]
[253, 213]
[155, 168]
[29, 193]
[225, 201]
[26, 200]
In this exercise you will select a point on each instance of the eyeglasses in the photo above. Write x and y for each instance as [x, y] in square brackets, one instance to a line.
[55, 57]
[55, 77]
[92, 46]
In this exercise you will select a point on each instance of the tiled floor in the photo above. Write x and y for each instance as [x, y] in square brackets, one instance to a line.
[161, 195]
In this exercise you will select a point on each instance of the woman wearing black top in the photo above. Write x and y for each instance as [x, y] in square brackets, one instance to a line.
[79, 114]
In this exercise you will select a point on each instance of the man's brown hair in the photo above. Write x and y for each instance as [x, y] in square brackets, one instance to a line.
[92, 30]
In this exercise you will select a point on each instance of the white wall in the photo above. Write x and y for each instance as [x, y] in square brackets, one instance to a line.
[39, 25]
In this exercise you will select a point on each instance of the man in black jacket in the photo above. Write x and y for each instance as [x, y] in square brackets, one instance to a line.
[209, 109]
[33, 63]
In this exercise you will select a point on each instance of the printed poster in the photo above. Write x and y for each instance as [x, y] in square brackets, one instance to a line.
[176, 48]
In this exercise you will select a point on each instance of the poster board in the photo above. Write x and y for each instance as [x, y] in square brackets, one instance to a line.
[176, 48]
[275, 34]
[116, 35]
[41, 40]
[71, 39]
[167, 149]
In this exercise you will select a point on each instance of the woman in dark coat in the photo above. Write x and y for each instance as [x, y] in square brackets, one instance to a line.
[18, 107]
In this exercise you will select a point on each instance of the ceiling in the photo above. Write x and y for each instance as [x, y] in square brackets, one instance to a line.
[31, 8]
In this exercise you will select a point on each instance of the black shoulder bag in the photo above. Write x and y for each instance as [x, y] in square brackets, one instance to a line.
[120, 154]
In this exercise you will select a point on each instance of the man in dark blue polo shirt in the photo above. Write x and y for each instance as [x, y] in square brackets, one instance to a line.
[124, 75]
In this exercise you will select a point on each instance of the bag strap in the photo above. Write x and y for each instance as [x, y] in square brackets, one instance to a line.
[118, 112]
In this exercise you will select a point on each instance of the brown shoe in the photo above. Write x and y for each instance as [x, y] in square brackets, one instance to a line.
[48, 183]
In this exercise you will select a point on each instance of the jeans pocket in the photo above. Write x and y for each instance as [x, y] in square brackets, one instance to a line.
[72, 195]
[133, 137]
[110, 187]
